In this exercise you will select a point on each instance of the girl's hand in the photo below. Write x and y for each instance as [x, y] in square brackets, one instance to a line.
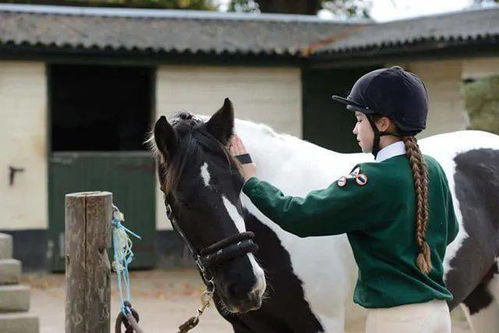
[236, 147]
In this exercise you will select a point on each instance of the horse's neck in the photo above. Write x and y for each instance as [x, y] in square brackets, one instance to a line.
[294, 165]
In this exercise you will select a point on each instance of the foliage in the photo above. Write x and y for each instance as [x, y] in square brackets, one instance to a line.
[351, 8]
[485, 2]
[310, 7]
[481, 100]
[165, 4]
[345, 8]
[244, 6]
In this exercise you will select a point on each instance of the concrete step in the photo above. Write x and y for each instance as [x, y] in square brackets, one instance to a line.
[21, 322]
[14, 298]
[5, 246]
[10, 271]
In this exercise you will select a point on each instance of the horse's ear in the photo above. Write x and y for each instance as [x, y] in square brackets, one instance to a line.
[165, 138]
[221, 124]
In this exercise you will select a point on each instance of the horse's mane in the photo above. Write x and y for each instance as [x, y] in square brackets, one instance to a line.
[194, 139]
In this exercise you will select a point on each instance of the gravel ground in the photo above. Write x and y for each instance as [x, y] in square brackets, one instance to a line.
[164, 299]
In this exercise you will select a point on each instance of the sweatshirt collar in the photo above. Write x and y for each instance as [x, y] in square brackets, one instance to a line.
[395, 149]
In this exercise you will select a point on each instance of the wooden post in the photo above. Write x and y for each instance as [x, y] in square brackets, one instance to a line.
[88, 272]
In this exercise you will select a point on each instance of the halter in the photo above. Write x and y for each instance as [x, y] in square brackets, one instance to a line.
[208, 258]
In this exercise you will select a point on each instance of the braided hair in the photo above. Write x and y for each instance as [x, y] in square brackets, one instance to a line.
[402, 97]
[420, 174]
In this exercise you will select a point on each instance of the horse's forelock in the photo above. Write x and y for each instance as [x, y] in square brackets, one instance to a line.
[186, 151]
[192, 134]
[214, 146]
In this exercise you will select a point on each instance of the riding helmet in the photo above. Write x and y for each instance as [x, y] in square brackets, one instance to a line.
[392, 92]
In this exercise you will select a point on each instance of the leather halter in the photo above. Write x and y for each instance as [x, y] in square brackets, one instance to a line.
[208, 258]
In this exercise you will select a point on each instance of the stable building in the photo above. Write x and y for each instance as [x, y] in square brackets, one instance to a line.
[81, 87]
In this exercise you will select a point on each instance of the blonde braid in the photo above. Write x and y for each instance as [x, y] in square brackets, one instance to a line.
[420, 174]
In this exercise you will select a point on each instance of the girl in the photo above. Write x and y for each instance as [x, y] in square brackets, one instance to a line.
[397, 211]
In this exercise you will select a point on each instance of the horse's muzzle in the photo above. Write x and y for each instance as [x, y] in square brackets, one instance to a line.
[253, 302]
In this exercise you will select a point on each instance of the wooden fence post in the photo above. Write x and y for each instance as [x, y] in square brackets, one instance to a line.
[88, 272]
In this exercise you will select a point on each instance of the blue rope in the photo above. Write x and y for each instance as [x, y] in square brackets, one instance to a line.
[123, 256]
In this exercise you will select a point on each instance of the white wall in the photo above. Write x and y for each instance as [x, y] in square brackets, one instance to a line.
[271, 95]
[475, 68]
[443, 79]
[23, 143]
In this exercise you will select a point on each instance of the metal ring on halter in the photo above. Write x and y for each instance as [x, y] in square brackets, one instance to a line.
[210, 286]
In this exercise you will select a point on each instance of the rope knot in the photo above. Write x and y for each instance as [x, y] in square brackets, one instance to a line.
[123, 255]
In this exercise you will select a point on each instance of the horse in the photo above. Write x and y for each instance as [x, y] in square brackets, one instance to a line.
[293, 284]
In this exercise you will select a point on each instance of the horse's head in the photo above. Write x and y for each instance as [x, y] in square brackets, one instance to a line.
[202, 183]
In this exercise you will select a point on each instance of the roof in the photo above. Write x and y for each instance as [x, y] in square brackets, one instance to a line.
[201, 32]
[457, 27]
[153, 30]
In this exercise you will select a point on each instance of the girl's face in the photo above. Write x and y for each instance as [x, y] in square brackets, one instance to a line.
[363, 132]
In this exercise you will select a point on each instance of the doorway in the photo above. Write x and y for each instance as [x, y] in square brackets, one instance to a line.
[99, 120]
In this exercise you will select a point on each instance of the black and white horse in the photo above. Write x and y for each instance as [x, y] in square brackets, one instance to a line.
[309, 281]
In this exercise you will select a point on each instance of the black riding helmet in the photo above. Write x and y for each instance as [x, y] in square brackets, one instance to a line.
[394, 93]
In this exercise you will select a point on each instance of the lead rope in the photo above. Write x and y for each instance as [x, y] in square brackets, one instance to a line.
[123, 256]
[206, 297]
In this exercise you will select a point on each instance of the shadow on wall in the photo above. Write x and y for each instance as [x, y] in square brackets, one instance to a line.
[481, 99]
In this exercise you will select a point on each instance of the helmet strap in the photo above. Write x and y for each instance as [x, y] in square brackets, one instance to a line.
[377, 135]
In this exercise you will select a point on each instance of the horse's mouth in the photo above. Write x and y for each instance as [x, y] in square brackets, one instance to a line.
[253, 302]
[246, 306]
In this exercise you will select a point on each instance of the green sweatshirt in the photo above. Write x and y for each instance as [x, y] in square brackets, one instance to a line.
[379, 219]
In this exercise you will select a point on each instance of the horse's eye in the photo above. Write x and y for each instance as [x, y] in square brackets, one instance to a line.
[182, 202]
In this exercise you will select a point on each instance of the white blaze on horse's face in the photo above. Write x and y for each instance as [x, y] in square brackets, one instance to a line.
[260, 284]
[234, 214]
[205, 174]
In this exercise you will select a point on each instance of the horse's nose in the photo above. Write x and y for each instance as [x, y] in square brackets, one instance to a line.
[244, 300]
[238, 291]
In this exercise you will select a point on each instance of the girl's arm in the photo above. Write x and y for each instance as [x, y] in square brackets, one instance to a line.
[334, 210]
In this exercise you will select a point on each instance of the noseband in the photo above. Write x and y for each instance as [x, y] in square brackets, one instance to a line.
[214, 255]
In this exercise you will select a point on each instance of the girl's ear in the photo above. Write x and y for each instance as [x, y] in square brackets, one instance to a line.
[385, 124]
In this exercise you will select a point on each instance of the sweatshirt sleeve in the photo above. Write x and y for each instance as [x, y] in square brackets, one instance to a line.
[452, 224]
[330, 211]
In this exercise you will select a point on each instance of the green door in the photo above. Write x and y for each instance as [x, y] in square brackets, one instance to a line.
[326, 122]
[128, 175]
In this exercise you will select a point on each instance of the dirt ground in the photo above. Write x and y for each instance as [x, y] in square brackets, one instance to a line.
[163, 298]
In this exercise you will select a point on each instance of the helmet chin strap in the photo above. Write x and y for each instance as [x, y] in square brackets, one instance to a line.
[377, 135]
